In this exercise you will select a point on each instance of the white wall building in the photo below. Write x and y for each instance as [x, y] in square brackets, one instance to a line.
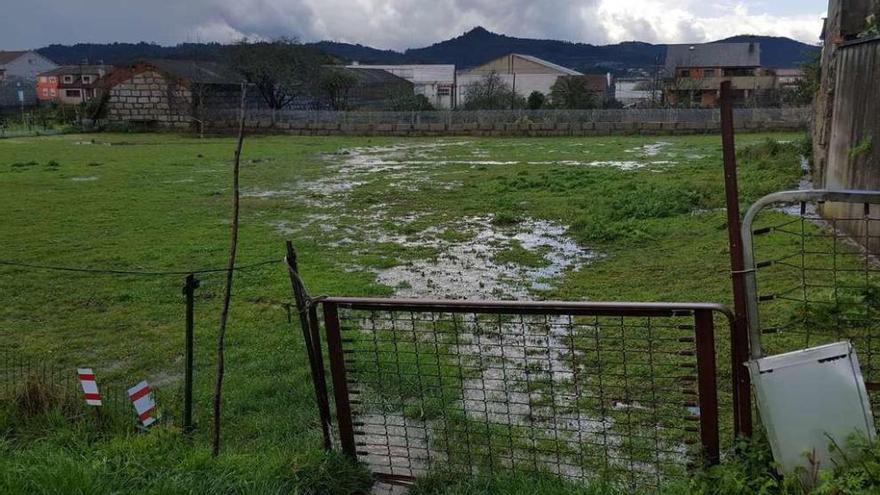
[24, 64]
[523, 73]
[435, 81]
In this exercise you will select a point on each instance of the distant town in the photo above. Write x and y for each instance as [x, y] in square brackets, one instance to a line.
[179, 92]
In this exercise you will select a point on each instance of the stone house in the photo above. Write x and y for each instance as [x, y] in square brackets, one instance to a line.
[171, 93]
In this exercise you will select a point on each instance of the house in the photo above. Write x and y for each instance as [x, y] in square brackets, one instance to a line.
[23, 64]
[71, 84]
[788, 79]
[174, 93]
[693, 73]
[436, 82]
[523, 73]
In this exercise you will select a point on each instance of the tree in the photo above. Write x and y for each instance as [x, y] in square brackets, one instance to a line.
[536, 100]
[491, 93]
[230, 271]
[280, 70]
[806, 87]
[406, 101]
[334, 85]
[571, 93]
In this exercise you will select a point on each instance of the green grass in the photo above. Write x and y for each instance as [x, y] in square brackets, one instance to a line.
[160, 202]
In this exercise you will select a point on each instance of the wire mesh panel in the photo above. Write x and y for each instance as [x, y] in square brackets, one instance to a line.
[809, 277]
[626, 396]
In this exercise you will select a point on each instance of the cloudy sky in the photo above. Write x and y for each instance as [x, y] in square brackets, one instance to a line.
[399, 24]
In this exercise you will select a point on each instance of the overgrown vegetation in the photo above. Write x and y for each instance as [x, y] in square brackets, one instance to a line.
[659, 229]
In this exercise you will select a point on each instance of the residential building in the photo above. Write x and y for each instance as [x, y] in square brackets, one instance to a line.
[693, 73]
[23, 64]
[787, 79]
[175, 93]
[436, 82]
[523, 73]
[71, 84]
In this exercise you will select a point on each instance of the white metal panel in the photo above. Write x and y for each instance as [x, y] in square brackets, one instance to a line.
[809, 400]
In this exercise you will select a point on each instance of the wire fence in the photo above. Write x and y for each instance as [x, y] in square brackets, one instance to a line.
[824, 286]
[622, 394]
[798, 115]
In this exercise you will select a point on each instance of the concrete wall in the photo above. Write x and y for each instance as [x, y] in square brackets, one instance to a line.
[524, 84]
[150, 97]
[501, 129]
[853, 159]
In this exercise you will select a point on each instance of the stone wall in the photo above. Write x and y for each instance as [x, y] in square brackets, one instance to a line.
[150, 97]
[501, 129]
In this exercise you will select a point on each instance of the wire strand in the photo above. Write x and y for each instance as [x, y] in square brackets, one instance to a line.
[113, 271]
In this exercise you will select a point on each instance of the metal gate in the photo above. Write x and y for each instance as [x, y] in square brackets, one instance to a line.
[619, 392]
[811, 279]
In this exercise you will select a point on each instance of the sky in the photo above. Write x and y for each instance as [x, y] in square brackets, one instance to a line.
[401, 24]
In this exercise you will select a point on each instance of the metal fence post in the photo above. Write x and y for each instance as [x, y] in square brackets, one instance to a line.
[742, 409]
[189, 289]
[705, 342]
[311, 337]
[340, 381]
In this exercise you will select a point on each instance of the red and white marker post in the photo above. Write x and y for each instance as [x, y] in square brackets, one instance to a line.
[89, 386]
[143, 402]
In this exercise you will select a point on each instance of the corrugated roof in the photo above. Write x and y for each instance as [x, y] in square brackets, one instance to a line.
[550, 65]
[197, 71]
[713, 55]
[7, 57]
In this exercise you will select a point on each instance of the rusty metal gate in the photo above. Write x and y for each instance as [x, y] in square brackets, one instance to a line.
[619, 392]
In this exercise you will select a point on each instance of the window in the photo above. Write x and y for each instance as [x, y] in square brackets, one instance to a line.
[46, 92]
[72, 93]
[444, 91]
[87, 79]
[684, 73]
[68, 79]
[53, 92]
[709, 73]
[53, 80]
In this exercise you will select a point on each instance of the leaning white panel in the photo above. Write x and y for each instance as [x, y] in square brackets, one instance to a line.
[809, 399]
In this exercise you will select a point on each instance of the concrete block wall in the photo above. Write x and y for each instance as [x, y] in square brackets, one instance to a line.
[149, 97]
[502, 129]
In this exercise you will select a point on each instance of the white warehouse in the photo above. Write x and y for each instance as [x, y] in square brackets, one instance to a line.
[435, 81]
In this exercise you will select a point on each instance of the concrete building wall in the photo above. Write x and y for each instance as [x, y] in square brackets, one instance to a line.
[516, 64]
[523, 84]
[150, 97]
[435, 81]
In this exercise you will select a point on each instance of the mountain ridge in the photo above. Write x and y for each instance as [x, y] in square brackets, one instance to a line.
[469, 49]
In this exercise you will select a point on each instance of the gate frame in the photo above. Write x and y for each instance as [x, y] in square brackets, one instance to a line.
[704, 338]
[810, 195]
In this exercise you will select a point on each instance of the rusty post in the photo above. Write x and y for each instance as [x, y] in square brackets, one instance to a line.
[340, 381]
[313, 347]
[705, 336]
[742, 409]
[189, 289]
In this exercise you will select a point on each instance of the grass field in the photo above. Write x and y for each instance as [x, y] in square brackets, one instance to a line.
[612, 218]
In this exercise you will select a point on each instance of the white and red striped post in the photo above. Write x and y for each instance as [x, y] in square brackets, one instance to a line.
[89, 386]
[143, 402]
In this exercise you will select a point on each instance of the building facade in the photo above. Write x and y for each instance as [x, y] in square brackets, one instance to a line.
[71, 84]
[693, 73]
[436, 82]
[171, 93]
[24, 65]
[523, 73]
